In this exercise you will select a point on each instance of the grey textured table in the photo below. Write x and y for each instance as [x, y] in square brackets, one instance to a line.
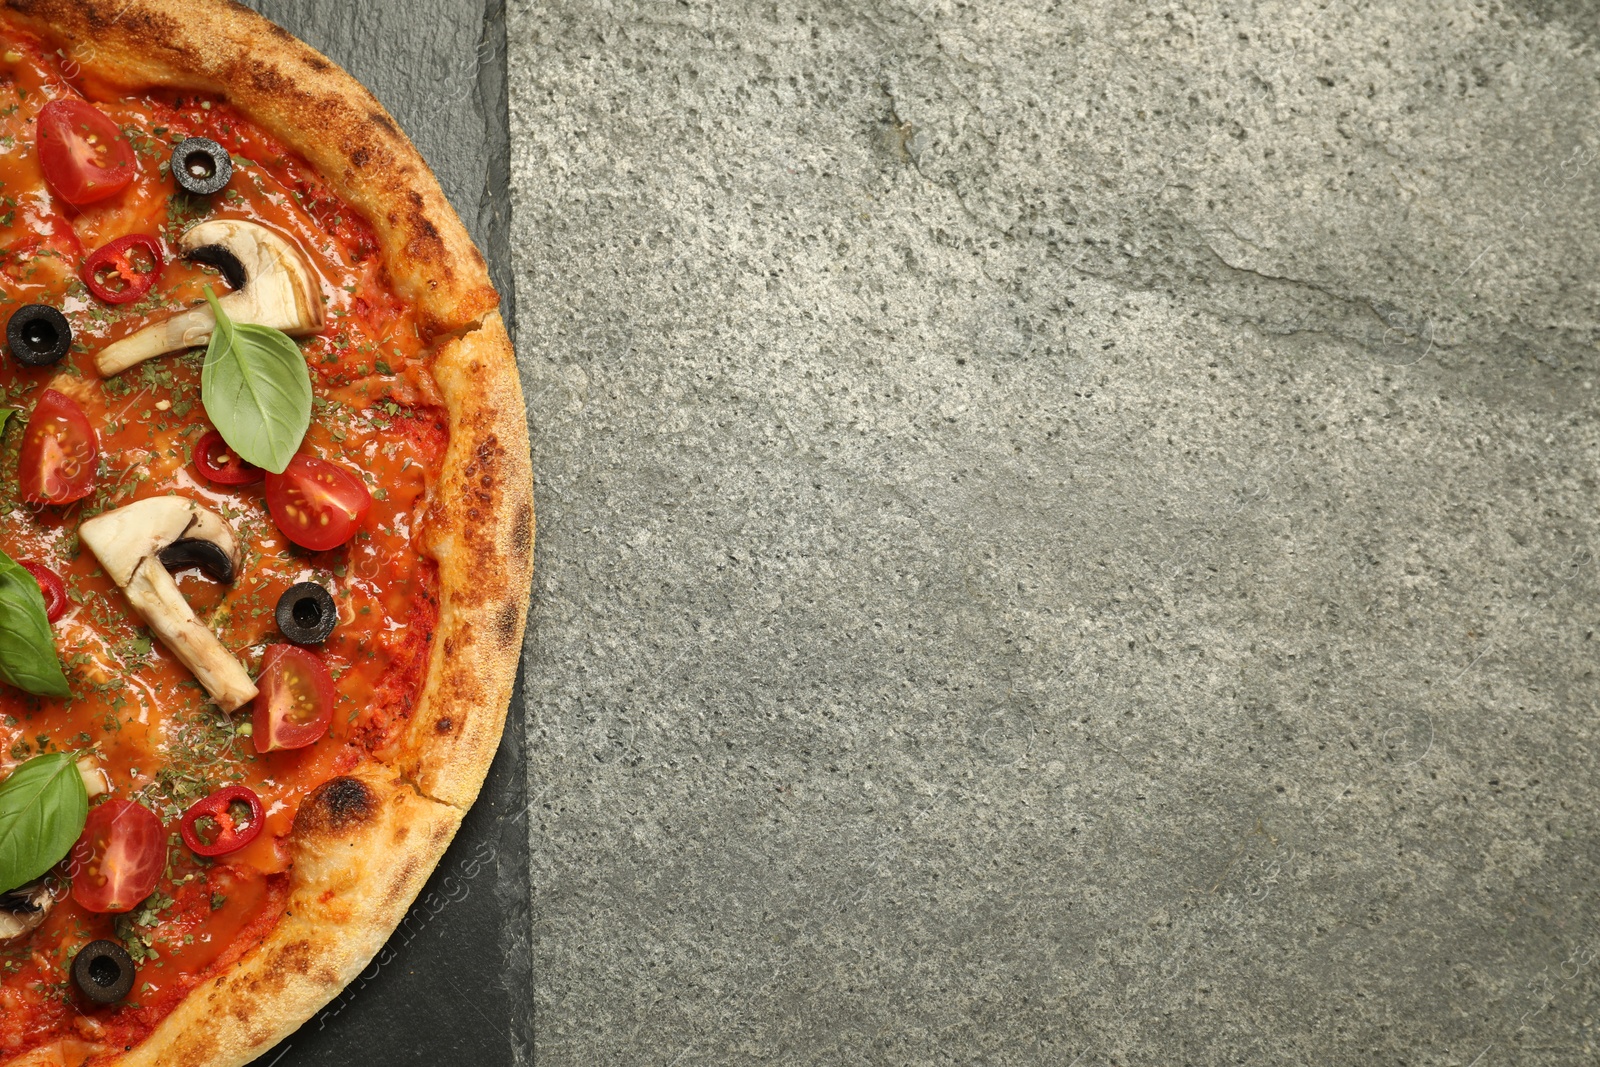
[452, 986]
[1066, 530]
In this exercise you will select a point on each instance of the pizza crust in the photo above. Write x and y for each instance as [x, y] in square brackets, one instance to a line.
[365, 843]
[301, 97]
[480, 530]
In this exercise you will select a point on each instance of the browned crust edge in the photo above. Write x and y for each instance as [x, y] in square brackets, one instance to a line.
[480, 530]
[366, 843]
[305, 100]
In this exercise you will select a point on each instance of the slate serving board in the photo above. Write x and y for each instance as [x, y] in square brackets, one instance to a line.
[453, 986]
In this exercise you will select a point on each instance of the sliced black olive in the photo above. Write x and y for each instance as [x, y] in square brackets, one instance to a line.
[201, 166]
[38, 335]
[306, 613]
[103, 971]
[196, 552]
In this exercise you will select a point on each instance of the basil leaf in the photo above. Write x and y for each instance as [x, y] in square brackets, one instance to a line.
[27, 647]
[43, 806]
[256, 389]
[5, 417]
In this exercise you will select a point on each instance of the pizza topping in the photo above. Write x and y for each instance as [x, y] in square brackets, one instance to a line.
[273, 285]
[223, 822]
[306, 613]
[217, 463]
[50, 587]
[95, 782]
[124, 270]
[84, 156]
[316, 504]
[123, 538]
[129, 543]
[103, 971]
[42, 809]
[198, 552]
[27, 652]
[119, 858]
[256, 387]
[295, 707]
[60, 452]
[201, 166]
[22, 910]
[38, 335]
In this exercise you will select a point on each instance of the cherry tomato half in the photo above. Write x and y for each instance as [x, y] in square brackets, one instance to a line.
[119, 858]
[116, 275]
[295, 705]
[55, 594]
[84, 156]
[231, 818]
[316, 504]
[59, 452]
[218, 463]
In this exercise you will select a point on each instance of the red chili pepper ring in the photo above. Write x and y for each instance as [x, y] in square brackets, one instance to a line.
[55, 593]
[112, 264]
[227, 833]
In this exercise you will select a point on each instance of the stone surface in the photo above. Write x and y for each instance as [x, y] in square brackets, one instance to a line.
[1066, 530]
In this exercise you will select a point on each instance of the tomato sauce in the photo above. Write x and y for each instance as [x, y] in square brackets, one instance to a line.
[135, 708]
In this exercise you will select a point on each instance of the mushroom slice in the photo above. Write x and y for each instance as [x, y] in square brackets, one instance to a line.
[273, 285]
[94, 777]
[23, 910]
[129, 543]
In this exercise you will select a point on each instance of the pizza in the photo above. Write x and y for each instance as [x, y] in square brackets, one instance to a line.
[267, 530]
